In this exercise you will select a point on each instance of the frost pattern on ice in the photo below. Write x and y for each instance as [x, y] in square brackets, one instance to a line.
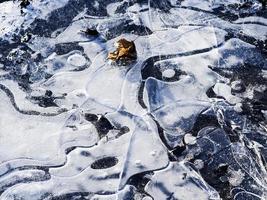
[185, 120]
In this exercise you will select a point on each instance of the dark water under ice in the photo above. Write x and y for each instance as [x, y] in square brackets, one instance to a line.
[184, 120]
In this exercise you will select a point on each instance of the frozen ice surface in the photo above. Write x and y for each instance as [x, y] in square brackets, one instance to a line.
[185, 120]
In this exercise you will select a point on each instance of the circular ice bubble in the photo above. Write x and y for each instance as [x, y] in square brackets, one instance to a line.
[168, 73]
[138, 163]
[153, 153]
[76, 60]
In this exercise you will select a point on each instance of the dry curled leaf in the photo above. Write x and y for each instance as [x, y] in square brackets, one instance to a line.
[125, 51]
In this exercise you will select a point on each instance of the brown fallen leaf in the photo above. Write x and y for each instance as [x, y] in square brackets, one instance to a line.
[125, 51]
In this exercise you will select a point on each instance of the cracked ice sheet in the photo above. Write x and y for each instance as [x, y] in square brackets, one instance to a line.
[25, 143]
[182, 16]
[187, 184]
[64, 154]
[177, 40]
[12, 18]
[77, 175]
[19, 139]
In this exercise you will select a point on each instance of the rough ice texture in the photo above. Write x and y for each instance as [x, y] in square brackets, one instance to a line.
[186, 120]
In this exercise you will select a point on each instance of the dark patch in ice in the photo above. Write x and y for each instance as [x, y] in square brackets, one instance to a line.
[26, 112]
[101, 123]
[85, 153]
[103, 126]
[141, 95]
[139, 181]
[127, 27]
[62, 17]
[150, 70]
[64, 48]
[48, 100]
[104, 163]
[251, 79]
[71, 196]
[204, 120]
[91, 117]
